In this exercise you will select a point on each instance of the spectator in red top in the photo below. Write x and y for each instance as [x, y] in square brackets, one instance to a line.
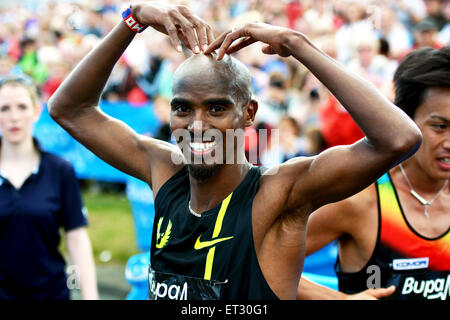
[294, 11]
[336, 124]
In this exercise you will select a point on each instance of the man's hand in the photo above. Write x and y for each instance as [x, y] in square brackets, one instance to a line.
[372, 294]
[177, 21]
[276, 39]
[309, 290]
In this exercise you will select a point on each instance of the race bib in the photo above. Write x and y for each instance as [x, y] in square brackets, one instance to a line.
[420, 285]
[169, 286]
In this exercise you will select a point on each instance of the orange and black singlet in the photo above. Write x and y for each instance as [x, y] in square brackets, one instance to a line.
[205, 257]
[419, 267]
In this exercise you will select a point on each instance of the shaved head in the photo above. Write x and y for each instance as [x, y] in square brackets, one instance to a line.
[210, 96]
[228, 74]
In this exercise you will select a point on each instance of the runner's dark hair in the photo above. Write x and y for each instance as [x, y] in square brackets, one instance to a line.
[419, 70]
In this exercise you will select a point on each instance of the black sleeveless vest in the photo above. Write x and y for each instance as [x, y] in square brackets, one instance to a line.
[419, 267]
[207, 257]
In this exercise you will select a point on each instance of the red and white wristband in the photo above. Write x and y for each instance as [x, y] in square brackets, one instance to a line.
[132, 22]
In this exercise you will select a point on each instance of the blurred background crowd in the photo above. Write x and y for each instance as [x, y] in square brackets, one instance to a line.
[46, 39]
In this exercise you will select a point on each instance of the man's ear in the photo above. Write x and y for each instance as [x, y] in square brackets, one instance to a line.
[250, 112]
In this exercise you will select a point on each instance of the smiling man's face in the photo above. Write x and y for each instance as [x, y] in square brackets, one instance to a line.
[210, 97]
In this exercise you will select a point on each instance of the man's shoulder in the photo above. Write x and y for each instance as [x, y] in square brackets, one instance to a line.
[170, 183]
[164, 159]
[157, 146]
[360, 203]
[287, 170]
[162, 155]
[276, 185]
[279, 180]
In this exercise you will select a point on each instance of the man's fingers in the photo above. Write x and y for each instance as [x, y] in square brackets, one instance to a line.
[383, 292]
[229, 39]
[202, 34]
[216, 43]
[188, 30]
[268, 50]
[202, 37]
[201, 30]
[187, 27]
[210, 35]
[174, 36]
[372, 294]
[241, 44]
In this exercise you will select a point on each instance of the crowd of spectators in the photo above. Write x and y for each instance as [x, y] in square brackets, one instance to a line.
[46, 39]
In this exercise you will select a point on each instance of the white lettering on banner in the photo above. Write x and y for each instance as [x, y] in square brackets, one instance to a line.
[430, 289]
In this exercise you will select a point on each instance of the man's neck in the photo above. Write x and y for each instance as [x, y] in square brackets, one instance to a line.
[208, 193]
[420, 180]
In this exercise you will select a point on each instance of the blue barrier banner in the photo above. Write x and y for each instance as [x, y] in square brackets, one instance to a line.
[142, 205]
[56, 140]
[327, 281]
[322, 261]
[319, 266]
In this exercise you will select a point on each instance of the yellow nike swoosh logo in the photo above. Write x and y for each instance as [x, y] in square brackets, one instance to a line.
[205, 244]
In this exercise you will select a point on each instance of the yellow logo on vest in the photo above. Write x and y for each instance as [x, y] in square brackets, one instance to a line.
[205, 244]
[162, 239]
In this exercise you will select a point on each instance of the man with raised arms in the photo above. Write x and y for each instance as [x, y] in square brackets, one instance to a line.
[228, 230]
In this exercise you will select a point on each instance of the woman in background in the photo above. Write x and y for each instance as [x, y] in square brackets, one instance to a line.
[39, 194]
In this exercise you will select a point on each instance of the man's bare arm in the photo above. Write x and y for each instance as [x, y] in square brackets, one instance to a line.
[75, 104]
[350, 218]
[391, 136]
[309, 290]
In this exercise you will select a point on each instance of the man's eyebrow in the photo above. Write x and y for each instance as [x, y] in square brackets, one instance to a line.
[437, 117]
[218, 101]
[213, 101]
[178, 101]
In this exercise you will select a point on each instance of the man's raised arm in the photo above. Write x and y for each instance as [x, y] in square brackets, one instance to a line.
[391, 136]
[75, 104]
[309, 290]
